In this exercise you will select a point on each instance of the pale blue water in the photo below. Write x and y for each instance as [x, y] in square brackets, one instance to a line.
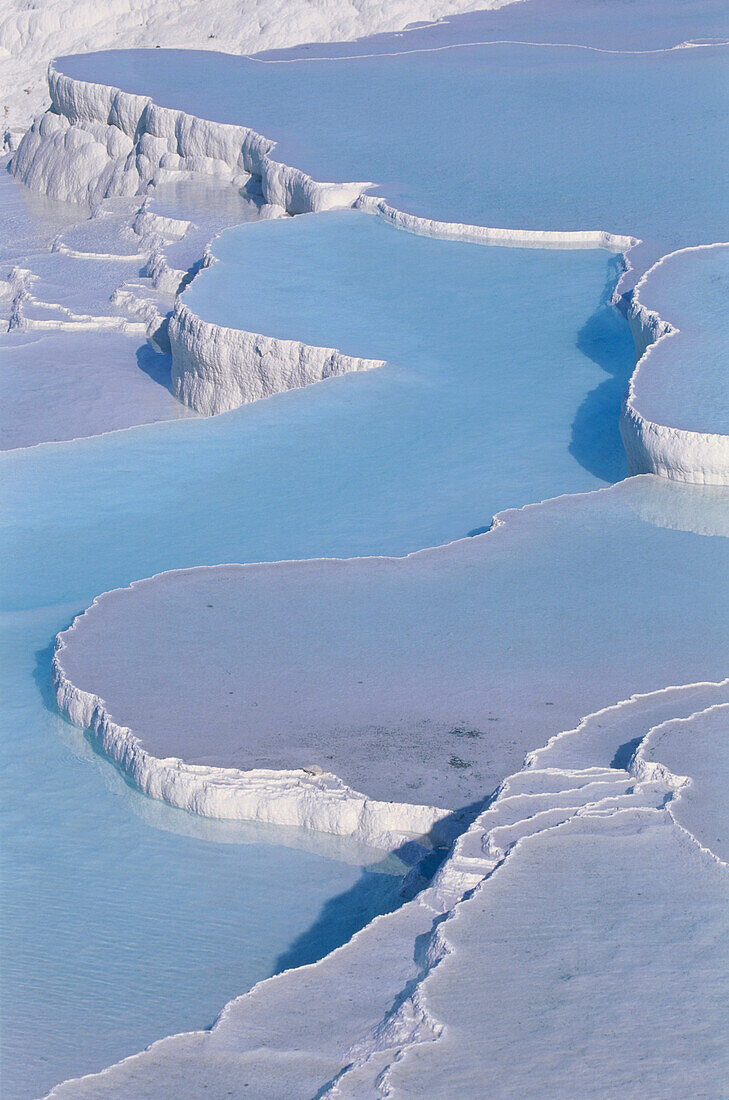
[381, 462]
[119, 932]
[554, 137]
[124, 920]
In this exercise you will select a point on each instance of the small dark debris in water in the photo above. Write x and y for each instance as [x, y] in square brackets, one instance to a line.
[549, 704]
[460, 731]
[493, 719]
[456, 762]
[209, 605]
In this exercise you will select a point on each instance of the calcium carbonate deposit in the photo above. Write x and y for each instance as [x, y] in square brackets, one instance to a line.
[365, 519]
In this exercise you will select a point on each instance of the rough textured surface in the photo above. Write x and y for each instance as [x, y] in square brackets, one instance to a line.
[506, 238]
[217, 368]
[590, 880]
[97, 141]
[30, 36]
[87, 155]
[85, 301]
[551, 909]
[696, 350]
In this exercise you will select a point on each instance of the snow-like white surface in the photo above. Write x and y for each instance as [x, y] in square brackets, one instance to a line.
[676, 416]
[509, 162]
[595, 899]
[97, 141]
[574, 892]
[72, 364]
[597, 955]
[595, 878]
[506, 238]
[31, 35]
[85, 299]
[695, 752]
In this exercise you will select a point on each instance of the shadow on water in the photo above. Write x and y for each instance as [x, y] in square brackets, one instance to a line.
[379, 889]
[156, 365]
[341, 917]
[375, 892]
[42, 677]
[605, 339]
[625, 753]
[43, 680]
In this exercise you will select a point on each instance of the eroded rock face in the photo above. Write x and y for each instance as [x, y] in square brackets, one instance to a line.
[96, 141]
[662, 436]
[216, 368]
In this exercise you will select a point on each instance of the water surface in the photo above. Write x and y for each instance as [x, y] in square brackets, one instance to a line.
[554, 137]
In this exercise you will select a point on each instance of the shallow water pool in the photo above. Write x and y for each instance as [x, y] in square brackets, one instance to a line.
[122, 928]
[124, 920]
[385, 461]
[555, 137]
